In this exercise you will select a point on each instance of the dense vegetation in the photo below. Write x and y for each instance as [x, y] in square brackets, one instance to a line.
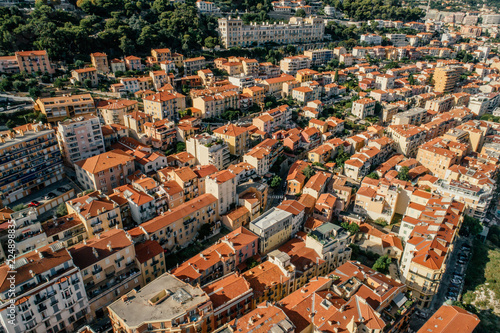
[377, 9]
[117, 27]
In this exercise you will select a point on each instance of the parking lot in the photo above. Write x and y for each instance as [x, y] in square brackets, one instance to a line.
[453, 279]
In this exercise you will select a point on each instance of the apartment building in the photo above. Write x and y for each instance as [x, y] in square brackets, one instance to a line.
[100, 62]
[438, 155]
[142, 206]
[446, 78]
[363, 108]
[165, 105]
[372, 39]
[319, 57]
[429, 233]
[133, 63]
[377, 202]
[178, 227]
[31, 62]
[290, 65]
[80, 138]
[59, 108]
[81, 76]
[29, 161]
[45, 294]
[105, 171]
[233, 32]
[257, 94]
[117, 65]
[113, 111]
[219, 259]
[166, 304]
[274, 228]
[385, 81]
[231, 297]
[215, 105]
[150, 258]
[222, 185]
[208, 149]
[193, 65]
[407, 138]
[450, 317]
[108, 267]
[477, 199]
[415, 116]
[97, 212]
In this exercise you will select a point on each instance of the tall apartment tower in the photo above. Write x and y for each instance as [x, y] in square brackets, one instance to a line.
[445, 78]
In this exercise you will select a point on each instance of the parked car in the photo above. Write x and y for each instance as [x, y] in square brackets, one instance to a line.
[34, 204]
[62, 189]
[50, 195]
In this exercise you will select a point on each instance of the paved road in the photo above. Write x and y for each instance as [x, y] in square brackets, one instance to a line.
[17, 98]
[452, 266]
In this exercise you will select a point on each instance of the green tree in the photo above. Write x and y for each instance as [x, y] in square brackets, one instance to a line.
[308, 172]
[180, 147]
[353, 228]
[34, 92]
[336, 76]
[276, 181]
[382, 264]
[373, 175]
[87, 83]
[62, 210]
[404, 173]
[58, 83]
[79, 63]
[204, 231]
[472, 225]
[300, 13]
[211, 42]
[411, 80]
[380, 221]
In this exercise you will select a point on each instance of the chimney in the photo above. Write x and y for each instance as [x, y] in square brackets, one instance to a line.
[110, 248]
[94, 251]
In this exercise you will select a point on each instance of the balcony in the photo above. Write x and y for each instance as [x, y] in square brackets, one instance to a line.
[96, 270]
[121, 277]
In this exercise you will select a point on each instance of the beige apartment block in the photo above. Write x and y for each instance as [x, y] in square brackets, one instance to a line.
[407, 138]
[34, 61]
[100, 61]
[83, 74]
[165, 105]
[59, 108]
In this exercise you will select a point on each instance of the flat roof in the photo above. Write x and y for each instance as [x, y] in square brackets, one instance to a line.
[171, 298]
[270, 218]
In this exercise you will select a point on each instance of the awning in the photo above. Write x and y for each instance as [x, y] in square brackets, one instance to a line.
[400, 299]
[109, 270]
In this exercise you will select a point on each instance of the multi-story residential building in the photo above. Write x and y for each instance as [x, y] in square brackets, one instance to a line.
[478, 104]
[257, 93]
[150, 258]
[80, 138]
[31, 62]
[265, 316]
[363, 108]
[133, 63]
[438, 155]
[142, 205]
[236, 137]
[429, 233]
[377, 202]
[208, 149]
[59, 108]
[477, 199]
[215, 105]
[451, 317]
[8, 64]
[97, 212]
[100, 61]
[231, 296]
[222, 185]
[372, 39]
[108, 267]
[29, 161]
[68, 229]
[166, 304]
[81, 76]
[407, 138]
[178, 227]
[385, 81]
[117, 65]
[46, 291]
[446, 78]
[164, 105]
[193, 65]
[415, 116]
[233, 32]
[319, 57]
[274, 228]
[397, 40]
[290, 65]
[113, 111]
[219, 259]
[105, 171]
